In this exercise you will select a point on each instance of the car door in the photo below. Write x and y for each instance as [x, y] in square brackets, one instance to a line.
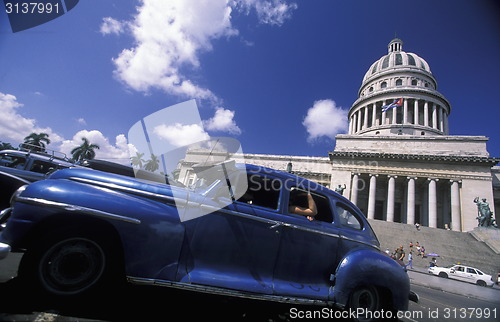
[470, 275]
[235, 246]
[308, 252]
[458, 272]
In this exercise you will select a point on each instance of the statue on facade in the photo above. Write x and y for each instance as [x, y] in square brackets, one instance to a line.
[485, 215]
[340, 189]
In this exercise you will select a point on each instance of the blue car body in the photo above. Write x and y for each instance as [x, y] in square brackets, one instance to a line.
[251, 247]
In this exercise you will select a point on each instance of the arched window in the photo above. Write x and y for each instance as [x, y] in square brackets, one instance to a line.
[399, 82]
[414, 82]
[385, 63]
[399, 59]
[411, 60]
[383, 85]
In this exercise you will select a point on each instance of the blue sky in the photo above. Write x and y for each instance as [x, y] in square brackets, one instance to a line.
[255, 67]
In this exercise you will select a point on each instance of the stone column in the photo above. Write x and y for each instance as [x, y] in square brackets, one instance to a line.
[354, 188]
[415, 112]
[434, 116]
[441, 122]
[384, 113]
[391, 189]
[394, 115]
[365, 121]
[371, 196]
[410, 201]
[405, 110]
[426, 113]
[456, 223]
[359, 120]
[374, 115]
[432, 202]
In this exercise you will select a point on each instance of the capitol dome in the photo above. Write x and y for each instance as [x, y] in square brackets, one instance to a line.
[405, 78]
[396, 58]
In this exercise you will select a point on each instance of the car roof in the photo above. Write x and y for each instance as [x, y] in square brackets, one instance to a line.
[292, 178]
[39, 156]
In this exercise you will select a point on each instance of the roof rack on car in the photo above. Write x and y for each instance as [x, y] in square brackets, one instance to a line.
[32, 148]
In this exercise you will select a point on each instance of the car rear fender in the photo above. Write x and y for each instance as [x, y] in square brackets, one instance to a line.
[371, 268]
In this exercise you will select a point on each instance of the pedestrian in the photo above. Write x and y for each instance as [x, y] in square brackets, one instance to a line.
[400, 253]
[410, 260]
[433, 262]
[417, 225]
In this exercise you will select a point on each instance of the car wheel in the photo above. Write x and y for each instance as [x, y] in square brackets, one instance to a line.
[481, 283]
[68, 265]
[443, 275]
[71, 266]
[364, 300]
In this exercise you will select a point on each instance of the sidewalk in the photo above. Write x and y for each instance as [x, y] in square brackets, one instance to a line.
[419, 276]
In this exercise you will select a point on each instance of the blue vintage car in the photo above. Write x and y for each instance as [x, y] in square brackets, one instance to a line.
[81, 229]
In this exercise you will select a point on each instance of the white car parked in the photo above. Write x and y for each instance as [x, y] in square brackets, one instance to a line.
[463, 273]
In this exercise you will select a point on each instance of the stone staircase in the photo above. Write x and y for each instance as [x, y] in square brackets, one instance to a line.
[453, 247]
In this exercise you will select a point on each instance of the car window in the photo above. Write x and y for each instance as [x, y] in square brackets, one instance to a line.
[471, 270]
[298, 197]
[42, 166]
[460, 268]
[262, 191]
[12, 161]
[347, 217]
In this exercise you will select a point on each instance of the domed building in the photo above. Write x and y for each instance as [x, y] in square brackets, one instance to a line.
[399, 75]
[398, 162]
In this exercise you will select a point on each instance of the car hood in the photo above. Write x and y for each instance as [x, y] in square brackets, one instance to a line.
[122, 183]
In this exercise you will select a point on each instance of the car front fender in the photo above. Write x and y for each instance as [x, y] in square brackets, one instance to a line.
[371, 268]
[9, 183]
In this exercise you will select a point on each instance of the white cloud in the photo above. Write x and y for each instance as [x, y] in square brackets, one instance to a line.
[324, 118]
[180, 134]
[169, 35]
[112, 26]
[274, 12]
[81, 121]
[117, 152]
[223, 120]
[15, 127]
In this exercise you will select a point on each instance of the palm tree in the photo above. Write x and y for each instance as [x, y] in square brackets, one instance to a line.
[152, 164]
[84, 151]
[40, 140]
[6, 146]
[137, 160]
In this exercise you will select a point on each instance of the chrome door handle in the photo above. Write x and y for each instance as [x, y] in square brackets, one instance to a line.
[276, 225]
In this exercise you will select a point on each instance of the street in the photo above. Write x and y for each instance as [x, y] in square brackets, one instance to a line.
[440, 300]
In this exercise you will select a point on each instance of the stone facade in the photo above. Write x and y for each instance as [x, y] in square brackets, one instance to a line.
[401, 164]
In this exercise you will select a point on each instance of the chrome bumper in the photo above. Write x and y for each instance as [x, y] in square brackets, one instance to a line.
[4, 250]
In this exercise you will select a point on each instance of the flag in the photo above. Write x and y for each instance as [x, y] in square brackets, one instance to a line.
[397, 103]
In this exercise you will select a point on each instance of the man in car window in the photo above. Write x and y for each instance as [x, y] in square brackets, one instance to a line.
[296, 205]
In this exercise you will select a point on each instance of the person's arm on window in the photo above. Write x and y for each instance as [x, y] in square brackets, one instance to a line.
[308, 212]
